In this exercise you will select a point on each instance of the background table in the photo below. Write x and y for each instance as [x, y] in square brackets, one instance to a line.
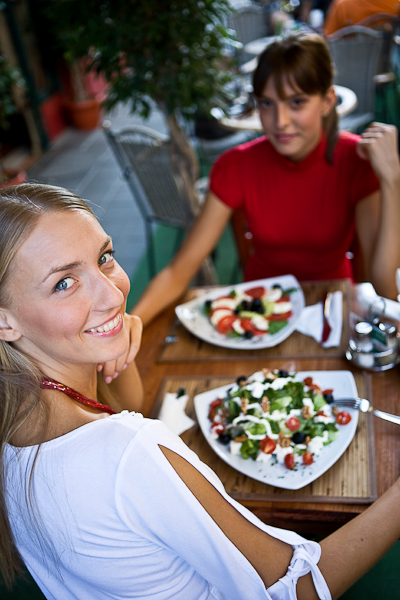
[310, 517]
[257, 46]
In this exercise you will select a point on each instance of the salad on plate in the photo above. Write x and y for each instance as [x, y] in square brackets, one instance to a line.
[271, 417]
[246, 313]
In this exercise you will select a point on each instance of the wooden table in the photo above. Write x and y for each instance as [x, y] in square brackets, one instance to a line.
[311, 518]
[252, 121]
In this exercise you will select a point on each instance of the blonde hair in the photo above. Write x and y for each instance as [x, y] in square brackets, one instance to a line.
[20, 209]
[304, 61]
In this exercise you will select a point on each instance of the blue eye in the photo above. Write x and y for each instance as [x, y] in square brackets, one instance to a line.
[64, 284]
[297, 102]
[106, 257]
[263, 103]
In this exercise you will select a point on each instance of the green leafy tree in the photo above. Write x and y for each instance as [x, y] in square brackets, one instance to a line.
[9, 78]
[168, 52]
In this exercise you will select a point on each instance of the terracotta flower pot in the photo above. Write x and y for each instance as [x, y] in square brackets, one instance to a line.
[84, 115]
[19, 178]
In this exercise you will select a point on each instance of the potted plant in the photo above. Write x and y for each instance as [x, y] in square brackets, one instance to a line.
[171, 54]
[83, 107]
[82, 95]
[10, 78]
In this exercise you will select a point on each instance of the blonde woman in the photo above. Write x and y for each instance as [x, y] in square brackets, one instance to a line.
[101, 504]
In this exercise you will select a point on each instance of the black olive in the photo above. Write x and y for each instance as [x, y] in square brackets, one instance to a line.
[208, 303]
[329, 399]
[236, 311]
[276, 285]
[298, 437]
[244, 305]
[283, 373]
[256, 306]
[224, 438]
[247, 335]
[240, 380]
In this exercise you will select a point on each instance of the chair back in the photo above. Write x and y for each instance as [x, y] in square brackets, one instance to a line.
[249, 22]
[356, 52]
[388, 24]
[144, 157]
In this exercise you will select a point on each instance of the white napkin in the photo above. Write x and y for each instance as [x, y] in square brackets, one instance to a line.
[173, 414]
[366, 296]
[311, 321]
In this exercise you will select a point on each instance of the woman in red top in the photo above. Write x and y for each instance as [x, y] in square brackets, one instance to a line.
[307, 191]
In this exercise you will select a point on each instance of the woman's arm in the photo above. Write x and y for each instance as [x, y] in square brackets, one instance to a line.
[356, 547]
[128, 389]
[173, 280]
[347, 554]
[378, 215]
[122, 375]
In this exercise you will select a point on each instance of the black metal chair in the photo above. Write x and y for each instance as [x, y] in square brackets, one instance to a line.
[249, 23]
[356, 52]
[387, 79]
[144, 157]
[388, 24]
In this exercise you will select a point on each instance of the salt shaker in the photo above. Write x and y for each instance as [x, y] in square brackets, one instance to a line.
[374, 346]
[361, 346]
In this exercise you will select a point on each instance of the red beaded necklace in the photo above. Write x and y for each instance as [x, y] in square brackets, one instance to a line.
[55, 385]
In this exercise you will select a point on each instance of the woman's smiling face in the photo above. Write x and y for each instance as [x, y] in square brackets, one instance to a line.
[67, 292]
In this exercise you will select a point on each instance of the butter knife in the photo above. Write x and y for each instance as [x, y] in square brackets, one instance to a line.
[326, 308]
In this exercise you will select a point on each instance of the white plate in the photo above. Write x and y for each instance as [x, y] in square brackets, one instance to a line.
[278, 475]
[192, 316]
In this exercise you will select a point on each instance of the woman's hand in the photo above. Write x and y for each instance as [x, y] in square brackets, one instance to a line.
[378, 216]
[113, 368]
[379, 146]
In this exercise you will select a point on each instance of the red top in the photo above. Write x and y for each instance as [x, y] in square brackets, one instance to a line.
[301, 214]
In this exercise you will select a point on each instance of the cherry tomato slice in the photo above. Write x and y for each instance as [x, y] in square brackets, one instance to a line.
[293, 423]
[308, 381]
[224, 325]
[216, 403]
[247, 325]
[283, 317]
[217, 428]
[267, 445]
[256, 292]
[343, 417]
[329, 391]
[289, 460]
[308, 458]
[283, 299]
[315, 387]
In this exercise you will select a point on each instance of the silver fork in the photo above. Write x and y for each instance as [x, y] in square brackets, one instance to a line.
[364, 406]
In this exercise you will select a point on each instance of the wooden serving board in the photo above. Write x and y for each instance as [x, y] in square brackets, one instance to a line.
[181, 345]
[352, 479]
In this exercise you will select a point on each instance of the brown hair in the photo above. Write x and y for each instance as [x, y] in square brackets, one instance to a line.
[20, 392]
[304, 61]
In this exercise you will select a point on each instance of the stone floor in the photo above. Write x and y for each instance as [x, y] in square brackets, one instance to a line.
[83, 162]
